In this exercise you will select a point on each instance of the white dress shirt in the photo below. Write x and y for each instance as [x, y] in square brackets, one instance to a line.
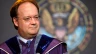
[23, 39]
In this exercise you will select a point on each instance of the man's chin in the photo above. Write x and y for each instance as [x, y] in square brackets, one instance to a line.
[34, 33]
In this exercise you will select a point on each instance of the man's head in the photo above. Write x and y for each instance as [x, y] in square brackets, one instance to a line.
[25, 16]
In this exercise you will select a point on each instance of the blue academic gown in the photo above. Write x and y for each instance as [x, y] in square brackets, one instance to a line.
[42, 45]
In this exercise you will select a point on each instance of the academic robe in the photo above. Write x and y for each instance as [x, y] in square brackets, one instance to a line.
[42, 45]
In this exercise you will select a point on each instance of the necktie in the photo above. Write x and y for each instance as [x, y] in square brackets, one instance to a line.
[28, 44]
[25, 47]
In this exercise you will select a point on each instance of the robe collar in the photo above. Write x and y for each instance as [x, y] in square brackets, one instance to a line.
[43, 43]
[13, 44]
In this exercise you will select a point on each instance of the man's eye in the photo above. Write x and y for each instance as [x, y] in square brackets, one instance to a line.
[26, 19]
[36, 17]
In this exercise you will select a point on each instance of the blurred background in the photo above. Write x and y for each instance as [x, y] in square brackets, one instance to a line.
[70, 21]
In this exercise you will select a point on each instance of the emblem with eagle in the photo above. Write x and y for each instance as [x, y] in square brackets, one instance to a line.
[66, 20]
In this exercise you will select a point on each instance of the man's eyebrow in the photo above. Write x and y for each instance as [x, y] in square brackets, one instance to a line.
[37, 15]
[26, 16]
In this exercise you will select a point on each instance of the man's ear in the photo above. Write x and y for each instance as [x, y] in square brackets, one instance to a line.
[15, 21]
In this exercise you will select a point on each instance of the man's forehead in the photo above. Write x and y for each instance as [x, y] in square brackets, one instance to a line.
[26, 4]
[27, 8]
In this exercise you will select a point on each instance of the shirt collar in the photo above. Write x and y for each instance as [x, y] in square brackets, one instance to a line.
[23, 39]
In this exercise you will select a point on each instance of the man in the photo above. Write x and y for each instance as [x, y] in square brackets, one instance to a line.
[25, 16]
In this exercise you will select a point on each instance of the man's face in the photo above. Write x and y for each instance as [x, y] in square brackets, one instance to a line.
[27, 20]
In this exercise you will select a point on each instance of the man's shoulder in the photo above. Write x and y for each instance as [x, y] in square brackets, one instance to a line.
[10, 45]
[48, 38]
[2, 44]
[54, 40]
[4, 49]
[7, 41]
[51, 44]
[10, 39]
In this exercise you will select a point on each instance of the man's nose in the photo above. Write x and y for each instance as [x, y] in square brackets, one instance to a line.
[33, 21]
